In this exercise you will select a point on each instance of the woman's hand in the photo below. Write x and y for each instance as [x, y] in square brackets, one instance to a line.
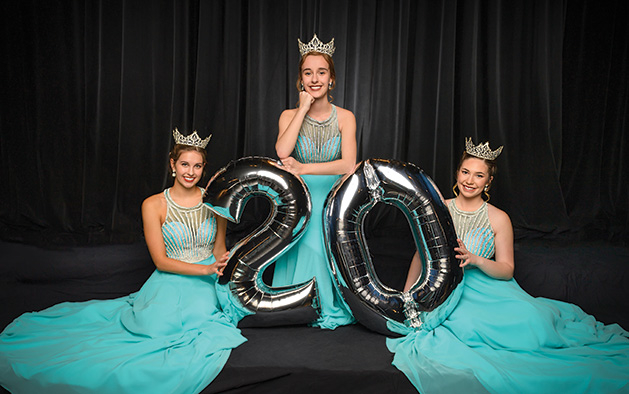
[497, 269]
[219, 265]
[466, 257]
[291, 165]
[305, 100]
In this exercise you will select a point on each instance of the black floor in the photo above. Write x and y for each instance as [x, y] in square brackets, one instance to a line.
[350, 359]
[301, 359]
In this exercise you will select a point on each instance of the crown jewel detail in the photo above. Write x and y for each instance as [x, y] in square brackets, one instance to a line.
[481, 150]
[190, 140]
[315, 45]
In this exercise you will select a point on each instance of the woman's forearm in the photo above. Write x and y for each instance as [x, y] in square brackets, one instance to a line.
[289, 132]
[495, 269]
[336, 167]
[167, 264]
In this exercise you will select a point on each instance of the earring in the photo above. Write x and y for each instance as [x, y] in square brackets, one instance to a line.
[486, 188]
[174, 174]
[301, 84]
[330, 85]
[456, 194]
[485, 192]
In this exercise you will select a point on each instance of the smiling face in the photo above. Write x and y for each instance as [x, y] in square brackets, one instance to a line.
[472, 177]
[188, 168]
[316, 74]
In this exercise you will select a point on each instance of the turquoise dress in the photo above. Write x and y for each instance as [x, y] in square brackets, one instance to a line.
[317, 142]
[499, 339]
[172, 336]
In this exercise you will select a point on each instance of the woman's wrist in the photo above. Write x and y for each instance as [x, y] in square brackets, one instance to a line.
[302, 110]
[211, 269]
[480, 262]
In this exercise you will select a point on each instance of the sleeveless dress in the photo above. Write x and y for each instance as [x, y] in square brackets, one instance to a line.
[499, 339]
[317, 142]
[172, 336]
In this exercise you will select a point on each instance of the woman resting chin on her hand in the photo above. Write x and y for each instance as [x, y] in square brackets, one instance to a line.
[322, 139]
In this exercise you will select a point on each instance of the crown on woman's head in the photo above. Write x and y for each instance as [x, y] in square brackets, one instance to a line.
[315, 45]
[481, 150]
[190, 140]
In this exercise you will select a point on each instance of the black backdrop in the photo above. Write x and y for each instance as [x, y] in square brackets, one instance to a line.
[92, 89]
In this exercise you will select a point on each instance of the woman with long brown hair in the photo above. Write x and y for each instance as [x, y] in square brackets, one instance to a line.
[317, 141]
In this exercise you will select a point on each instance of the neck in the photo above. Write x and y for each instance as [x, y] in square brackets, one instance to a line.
[183, 196]
[320, 107]
[468, 204]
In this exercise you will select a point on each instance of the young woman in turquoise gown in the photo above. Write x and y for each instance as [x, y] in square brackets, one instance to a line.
[499, 339]
[172, 336]
[322, 139]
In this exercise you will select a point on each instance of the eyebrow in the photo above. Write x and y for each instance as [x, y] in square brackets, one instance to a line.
[474, 172]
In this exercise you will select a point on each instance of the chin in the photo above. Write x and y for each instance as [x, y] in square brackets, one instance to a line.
[189, 185]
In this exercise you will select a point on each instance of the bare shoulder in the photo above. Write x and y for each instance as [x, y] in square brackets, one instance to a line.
[285, 118]
[497, 217]
[288, 113]
[154, 204]
[345, 114]
[346, 119]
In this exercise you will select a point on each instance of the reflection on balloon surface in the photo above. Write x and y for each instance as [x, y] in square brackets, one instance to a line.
[226, 194]
[379, 307]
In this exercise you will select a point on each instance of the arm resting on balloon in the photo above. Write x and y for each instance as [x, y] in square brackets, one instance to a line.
[289, 124]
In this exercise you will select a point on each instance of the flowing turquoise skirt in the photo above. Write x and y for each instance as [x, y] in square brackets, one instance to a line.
[172, 336]
[499, 339]
[308, 259]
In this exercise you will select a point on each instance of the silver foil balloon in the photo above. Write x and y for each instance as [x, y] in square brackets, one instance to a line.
[405, 186]
[226, 194]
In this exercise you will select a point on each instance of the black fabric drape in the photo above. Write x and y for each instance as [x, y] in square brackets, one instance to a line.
[595, 149]
[92, 90]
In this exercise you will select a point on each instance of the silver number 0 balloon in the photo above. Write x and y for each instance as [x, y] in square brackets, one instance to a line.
[227, 193]
[409, 189]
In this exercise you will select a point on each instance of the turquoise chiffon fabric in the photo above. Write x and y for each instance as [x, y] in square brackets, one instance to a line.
[308, 259]
[172, 336]
[499, 339]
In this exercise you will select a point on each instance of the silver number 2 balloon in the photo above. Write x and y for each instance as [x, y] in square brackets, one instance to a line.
[375, 305]
[227, 193]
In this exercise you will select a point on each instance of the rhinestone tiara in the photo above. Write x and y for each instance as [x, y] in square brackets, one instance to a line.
[315, 45]
[191, 140]
[481, 150]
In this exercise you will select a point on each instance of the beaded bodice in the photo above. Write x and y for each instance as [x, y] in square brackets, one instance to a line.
[474, 230]
[189, 233]
[319, 141]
